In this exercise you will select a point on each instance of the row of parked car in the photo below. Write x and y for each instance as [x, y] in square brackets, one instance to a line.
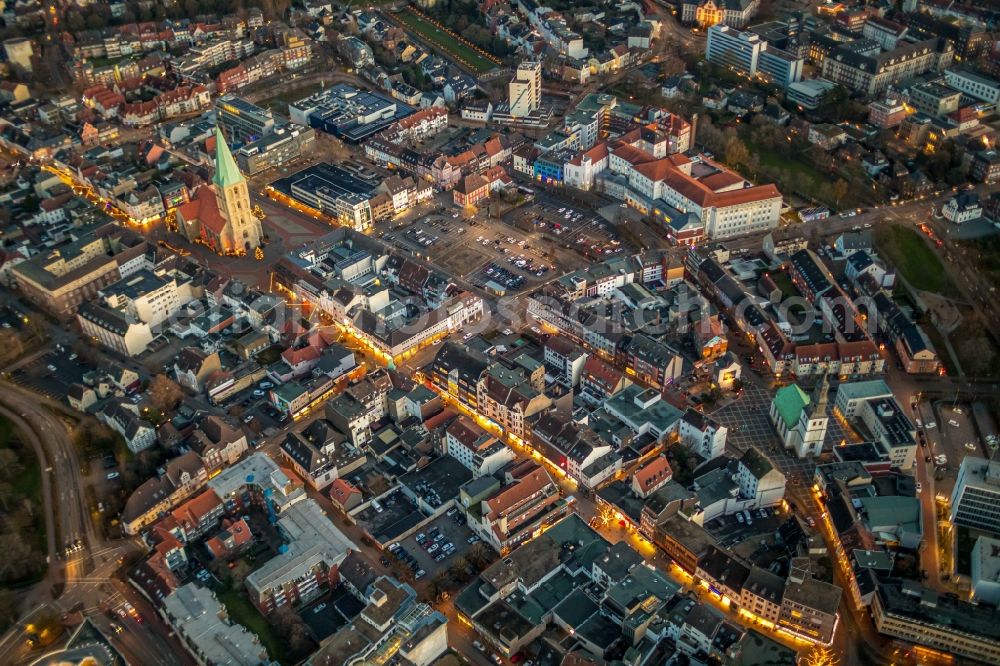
[407, 558]
[435, 543]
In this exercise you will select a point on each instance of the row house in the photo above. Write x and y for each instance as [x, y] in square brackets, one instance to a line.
[528, 501]
[507, 398]
[570, 446]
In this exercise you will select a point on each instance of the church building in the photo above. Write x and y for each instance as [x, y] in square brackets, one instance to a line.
[219, 215]
[801, 421]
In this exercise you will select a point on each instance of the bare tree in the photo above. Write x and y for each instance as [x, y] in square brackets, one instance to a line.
[292, 628]
[164, 393]
[19, 559]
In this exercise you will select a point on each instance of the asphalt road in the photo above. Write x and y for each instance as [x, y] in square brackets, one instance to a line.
[87, 573]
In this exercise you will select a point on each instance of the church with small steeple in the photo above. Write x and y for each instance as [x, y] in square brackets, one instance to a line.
[802, 421]
[219, 215]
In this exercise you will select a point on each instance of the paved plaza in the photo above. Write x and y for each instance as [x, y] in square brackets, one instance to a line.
[749, 425]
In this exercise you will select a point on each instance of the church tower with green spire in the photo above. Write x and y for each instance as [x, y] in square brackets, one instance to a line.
[242, 231]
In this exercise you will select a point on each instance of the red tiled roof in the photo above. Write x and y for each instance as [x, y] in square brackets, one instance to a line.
[419, 116]
[510, 495]
[340, 490]
[191, 512]
[439, 419]
[602, 373]
[204, 208]
[963, 115]
[721, 180]
[862, 348]
[655, 171]
[655, 472]
[633, 155]
[295, 356]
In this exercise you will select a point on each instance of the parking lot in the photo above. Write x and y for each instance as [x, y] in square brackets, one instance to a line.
[393, 515]
[428, 549]
[734, 529]
[528, 245]
[52, 373]
[953, 436]
[587, 233]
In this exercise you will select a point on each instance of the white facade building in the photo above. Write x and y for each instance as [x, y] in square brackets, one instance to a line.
[525, 89]
[734, 49]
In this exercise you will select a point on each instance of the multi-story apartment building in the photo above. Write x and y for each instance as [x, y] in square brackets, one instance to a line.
[313, 550]
[360, 405]
[508, 398]
[242, 121]
[203, 626]
[969, 41]
[885, 420]
[779, 66]
[809, 606]
[734, 49]
[886, 113]
[475, 448]
[759, 480]
[148, 297]
[872, 74]
[975, 500]
[566, 359]
[910, 612]
[934, 99]
[61, 279]
[528, 501]
[182, 478]
[986, 166]
[114, 329]
[702, 434]
[974, 85]
[286, 143]
[762, 594]
[524, 91]
[457, 370]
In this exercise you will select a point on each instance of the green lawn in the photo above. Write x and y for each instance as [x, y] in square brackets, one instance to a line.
[773, 163]
[279, 103]
[784, 282]
[242, 611]
[914, 259]
[445, 42]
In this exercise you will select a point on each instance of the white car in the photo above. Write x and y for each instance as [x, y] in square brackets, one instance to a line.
[919, 486]
[248, 418]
